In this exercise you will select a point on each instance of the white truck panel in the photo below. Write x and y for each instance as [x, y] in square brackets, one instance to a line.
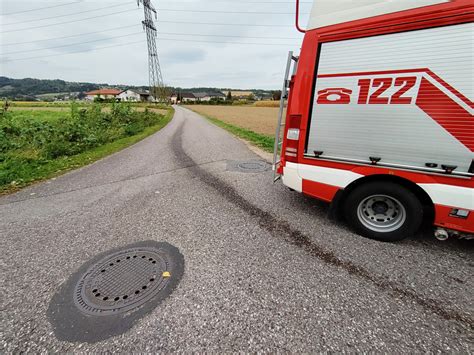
[330, 12]
[447, 51]
[429, 122]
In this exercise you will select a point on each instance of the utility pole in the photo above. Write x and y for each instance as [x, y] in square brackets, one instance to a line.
[157, 89]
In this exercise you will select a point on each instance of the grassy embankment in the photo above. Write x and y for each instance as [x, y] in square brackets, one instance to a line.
[36, 145]
[255, 124]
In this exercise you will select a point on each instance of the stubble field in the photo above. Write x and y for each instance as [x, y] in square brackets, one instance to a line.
[262, 120]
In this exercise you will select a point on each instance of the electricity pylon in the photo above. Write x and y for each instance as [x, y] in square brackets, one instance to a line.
[157, 89]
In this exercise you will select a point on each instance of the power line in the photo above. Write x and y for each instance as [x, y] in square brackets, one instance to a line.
[81, 51]
[71, 36]
[169, 10]
[235, 12]
[136, 42]
[161, 33]
[183, 22]
[201, 41]
[65, 15]
[214, 1]
[185, 2]
[74, 44]
[71, 21]
[226, 24]
[231, 36]
[41, 8]
[249, 2]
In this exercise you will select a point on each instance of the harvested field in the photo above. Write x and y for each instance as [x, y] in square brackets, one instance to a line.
[267, 103]
[261, 120]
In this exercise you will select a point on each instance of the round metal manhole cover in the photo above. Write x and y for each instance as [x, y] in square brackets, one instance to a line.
[252, 166]
[109, 293]
[123, 281]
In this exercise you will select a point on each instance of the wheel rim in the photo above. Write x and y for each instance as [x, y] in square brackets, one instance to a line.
[381, 213]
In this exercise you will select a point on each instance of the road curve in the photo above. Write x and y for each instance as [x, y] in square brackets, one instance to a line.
[265, 270]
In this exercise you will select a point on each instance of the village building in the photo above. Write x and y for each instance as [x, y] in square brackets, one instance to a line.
[188, 97]
[206, 97]
[104, 94]
[183, 97]
[134, 96]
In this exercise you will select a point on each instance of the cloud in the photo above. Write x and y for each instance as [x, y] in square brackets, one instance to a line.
[213, 48]
[182, 56]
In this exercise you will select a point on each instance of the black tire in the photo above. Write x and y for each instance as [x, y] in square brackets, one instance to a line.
[403, 206]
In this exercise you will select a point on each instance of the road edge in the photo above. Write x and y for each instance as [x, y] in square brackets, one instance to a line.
[267, 156]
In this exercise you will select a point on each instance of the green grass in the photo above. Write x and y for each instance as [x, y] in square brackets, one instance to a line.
[43, 116]
[26, 165]
[260, 140]
[80, 103]
[43, 103]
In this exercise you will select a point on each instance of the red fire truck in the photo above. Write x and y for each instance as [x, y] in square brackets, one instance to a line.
[379, 115]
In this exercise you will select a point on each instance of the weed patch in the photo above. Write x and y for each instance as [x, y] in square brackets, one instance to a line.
[33, 149]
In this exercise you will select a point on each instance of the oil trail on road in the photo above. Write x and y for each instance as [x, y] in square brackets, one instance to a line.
[281, 229]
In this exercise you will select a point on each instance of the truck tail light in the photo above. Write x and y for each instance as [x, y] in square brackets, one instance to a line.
[292, 138]
[293, 134]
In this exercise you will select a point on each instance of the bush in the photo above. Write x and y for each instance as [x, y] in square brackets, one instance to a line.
[83, 129]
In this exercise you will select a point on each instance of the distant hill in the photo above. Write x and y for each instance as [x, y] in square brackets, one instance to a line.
[29, 88]
[41, 89]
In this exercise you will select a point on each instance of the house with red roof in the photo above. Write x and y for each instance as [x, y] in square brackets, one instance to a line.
[105, 94]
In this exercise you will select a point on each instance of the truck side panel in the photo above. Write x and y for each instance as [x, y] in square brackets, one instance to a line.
[405, 98]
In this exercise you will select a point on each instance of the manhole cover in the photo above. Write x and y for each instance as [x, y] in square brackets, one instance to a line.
[108, 294]
[123, 281]
[252, 166]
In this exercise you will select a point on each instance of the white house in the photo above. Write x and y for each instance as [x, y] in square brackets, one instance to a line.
[206, 97]
[209, 97]
[188, 97]
[129, 95]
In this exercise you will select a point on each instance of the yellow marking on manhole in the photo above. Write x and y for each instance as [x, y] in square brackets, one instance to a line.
[166, 274]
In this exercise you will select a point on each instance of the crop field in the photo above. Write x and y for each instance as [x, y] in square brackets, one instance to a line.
[267, 103]
[262, 120]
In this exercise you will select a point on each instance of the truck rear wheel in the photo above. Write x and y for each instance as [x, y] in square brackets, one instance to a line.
[384, 211]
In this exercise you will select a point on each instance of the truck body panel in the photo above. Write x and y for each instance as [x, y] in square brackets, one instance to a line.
[330, 12]
[405, 97]
[381, 97]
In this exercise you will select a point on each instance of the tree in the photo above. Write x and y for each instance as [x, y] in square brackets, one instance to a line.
[276, 95]
[229, 96]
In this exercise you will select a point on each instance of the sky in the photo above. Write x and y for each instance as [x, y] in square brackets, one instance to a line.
[238, 44]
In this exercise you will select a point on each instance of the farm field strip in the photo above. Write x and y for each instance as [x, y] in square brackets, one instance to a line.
[261, 120]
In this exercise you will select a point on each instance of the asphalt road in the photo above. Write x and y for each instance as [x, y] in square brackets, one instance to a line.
[265, 270]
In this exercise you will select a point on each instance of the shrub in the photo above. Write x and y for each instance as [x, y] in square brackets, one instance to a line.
[83, 129]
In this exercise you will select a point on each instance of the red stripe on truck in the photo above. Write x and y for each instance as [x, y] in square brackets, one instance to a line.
[447, 113]
[406, 71]
[319, 190]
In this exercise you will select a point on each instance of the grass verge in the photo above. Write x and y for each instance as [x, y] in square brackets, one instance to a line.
[43, 116]
[39, 170]
[260, 140]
